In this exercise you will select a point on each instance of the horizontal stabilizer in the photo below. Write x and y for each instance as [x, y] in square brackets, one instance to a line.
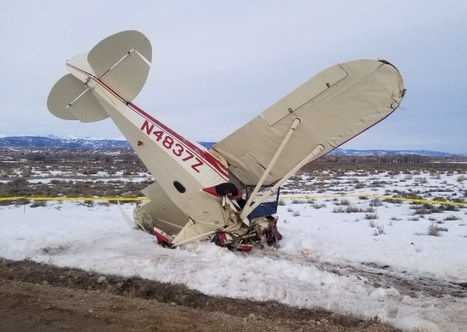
[70, 99]
[122, 62]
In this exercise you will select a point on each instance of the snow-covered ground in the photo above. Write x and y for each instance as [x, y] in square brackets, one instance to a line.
[346, 254]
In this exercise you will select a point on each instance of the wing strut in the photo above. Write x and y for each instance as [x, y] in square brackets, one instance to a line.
[247, 209]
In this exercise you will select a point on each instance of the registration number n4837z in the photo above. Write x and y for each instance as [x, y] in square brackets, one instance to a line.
[169, 143]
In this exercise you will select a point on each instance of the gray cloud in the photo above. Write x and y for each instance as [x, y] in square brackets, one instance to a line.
[218, 64]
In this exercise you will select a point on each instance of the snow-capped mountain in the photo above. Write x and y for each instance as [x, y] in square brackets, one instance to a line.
[354, 152]
[59, 142]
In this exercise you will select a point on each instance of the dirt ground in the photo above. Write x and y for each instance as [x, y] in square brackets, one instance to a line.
[41, 297]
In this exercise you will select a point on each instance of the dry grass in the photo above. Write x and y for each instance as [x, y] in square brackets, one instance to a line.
[38, 204]
[434, 229]
[347, 209]
[451, 218]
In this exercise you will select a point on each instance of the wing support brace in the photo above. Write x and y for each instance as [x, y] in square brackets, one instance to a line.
[316, 151]
[248, 208]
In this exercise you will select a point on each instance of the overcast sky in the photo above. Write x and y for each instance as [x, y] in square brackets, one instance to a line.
[218, 64]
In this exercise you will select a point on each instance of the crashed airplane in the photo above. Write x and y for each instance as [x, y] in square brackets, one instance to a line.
[228, 193]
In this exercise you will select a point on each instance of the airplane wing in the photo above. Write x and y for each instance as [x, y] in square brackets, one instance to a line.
[332, 107]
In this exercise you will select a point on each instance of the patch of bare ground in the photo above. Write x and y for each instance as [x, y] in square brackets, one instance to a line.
[41, 297]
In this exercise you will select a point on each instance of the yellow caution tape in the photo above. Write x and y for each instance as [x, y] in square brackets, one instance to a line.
[139, 199]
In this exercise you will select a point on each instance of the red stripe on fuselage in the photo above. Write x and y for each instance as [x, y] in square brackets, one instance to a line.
[205, 155]
[201, 153]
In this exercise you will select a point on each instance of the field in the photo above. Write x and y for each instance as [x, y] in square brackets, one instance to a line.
[347, 262]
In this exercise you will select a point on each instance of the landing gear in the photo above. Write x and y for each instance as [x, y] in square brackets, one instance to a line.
[262, 231]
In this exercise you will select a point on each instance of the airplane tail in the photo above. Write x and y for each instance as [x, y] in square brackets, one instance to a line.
[121, 62]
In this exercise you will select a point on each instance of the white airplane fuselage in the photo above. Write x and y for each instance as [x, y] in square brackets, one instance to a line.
[181, 167]
[193, 196]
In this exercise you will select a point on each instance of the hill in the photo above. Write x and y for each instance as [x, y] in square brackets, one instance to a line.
[60, 142]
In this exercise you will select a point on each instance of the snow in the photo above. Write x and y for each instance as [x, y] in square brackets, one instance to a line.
[404, 244]
[97, 238]
[374, 244]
